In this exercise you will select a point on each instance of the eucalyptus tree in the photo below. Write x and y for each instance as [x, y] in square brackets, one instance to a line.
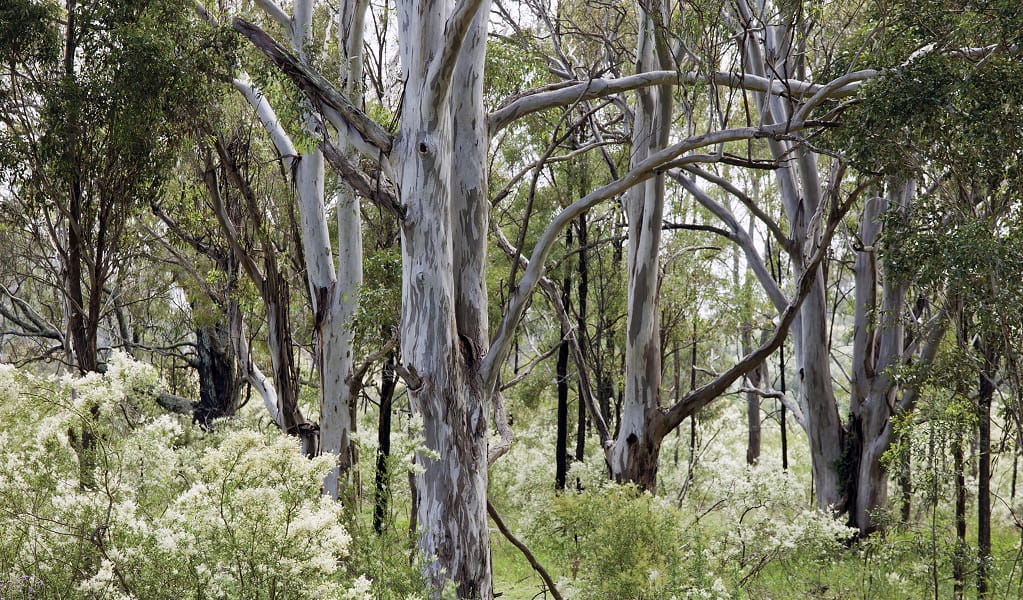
[333, 281]
[436, 166]
[92, 95]
[956, 245]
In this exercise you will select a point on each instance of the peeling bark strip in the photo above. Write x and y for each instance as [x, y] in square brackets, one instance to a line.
[324, 96]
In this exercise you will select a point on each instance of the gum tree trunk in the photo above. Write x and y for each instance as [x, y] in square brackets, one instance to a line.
[637, 448]
[877, 346]
[443, 321]
[800, 187]
[334, 291]
[216, 365]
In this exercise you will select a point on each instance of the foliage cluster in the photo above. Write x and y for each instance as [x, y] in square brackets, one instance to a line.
[103, 499]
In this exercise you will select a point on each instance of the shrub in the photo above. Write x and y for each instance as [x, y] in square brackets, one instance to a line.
[104, 499]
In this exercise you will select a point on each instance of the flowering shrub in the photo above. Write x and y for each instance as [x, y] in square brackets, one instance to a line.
[608, 541]
[102, 498]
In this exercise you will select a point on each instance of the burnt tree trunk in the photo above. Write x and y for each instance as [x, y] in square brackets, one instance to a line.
[216, 366]
[382, 494]
[984, 399]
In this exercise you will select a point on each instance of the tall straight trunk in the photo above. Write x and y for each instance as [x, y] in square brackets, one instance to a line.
[782, 417]
[79, 300]
[636, 452]
[817, 397]
[986, 394]
[959, 552]
[561, 439]
[800, 188]
[561, 370]
[282, 357]
[388, 383]
[754, 378]
[906, 485]
[444, 325]
[333, 290]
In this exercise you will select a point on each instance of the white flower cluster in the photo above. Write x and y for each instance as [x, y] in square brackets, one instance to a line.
[105, 500]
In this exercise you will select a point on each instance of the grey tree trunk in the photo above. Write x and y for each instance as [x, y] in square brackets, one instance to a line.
[754, 378]
[637, 448]
[443, 321]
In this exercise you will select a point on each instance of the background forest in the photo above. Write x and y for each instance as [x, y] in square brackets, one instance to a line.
[532, 299]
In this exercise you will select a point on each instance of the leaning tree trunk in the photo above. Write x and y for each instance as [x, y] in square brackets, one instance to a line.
[637, 449]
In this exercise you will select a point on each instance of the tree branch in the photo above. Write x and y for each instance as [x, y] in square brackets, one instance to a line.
[277, 13]
[548, 581]
[266, 115]
[703, 395]
[751, 206]
[565, 95]
[364, 132]
[368, 188]
[740, 237]
[641, 172]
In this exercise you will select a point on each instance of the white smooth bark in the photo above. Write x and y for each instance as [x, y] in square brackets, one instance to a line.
[268, 118]
[440, 203]
[878, 346]
[768, 50]
[571, 92]
[635, 454]
[249, 371]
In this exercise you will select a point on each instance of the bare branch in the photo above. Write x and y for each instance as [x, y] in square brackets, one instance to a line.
[525, 552]
[750, 205]
[501, 344]
[330, 102]
[703, 395]
[740, 237]
[565, 95]
[277, 13]
[504, 430]
[268, 117]
[368, 188]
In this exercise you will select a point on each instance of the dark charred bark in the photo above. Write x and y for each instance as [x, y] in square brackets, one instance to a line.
[644, 452]
[906, 484]
[561, 442]
[382, 495]
[781, 413]
[754, 378]
[561, 370]
[986, 394]
[219, 385]
[582, 292]
[959, 552]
